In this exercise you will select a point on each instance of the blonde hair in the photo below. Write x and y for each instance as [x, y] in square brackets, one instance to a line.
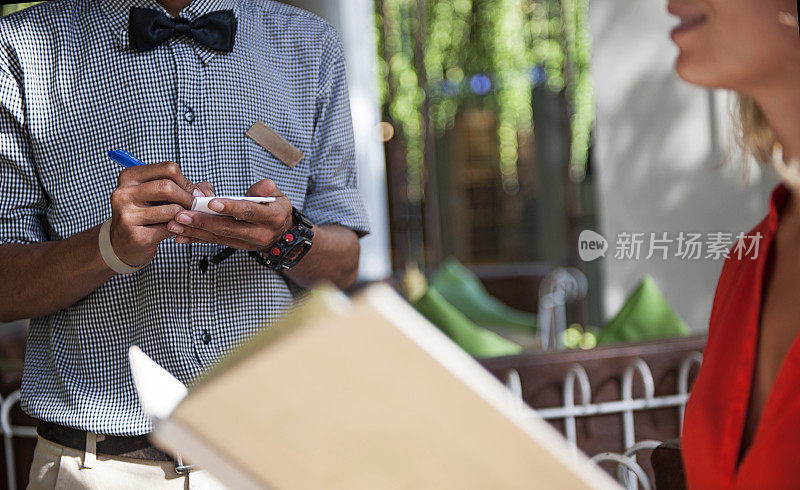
[757, 138]
[754, 134]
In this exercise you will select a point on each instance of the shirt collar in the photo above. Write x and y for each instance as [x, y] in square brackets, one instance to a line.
[118, 12]
[780, 196]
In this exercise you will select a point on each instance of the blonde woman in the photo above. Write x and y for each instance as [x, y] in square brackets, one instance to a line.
[743, 420]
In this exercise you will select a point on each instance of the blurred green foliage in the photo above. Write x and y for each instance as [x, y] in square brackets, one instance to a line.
[15, 7]
[509, 41]
[486, 53]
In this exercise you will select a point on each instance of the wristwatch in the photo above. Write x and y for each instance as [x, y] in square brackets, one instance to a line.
[290, 249]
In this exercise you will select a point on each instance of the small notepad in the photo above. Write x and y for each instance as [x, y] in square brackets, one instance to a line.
[275, 144]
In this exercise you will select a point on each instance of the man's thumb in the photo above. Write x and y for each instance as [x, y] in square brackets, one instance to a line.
[263, 188]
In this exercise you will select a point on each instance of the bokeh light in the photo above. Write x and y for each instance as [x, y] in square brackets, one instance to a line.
[384, 131]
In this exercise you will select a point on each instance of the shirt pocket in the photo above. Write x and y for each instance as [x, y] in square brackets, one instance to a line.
[291, 181]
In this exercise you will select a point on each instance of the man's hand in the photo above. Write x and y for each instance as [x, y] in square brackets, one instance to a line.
[146, 199]
[256, 227]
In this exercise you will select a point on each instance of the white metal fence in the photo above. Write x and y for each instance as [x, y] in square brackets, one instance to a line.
[9, 433]
[630, 473]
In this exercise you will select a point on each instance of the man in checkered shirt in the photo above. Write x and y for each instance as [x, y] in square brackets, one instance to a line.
[79, 78]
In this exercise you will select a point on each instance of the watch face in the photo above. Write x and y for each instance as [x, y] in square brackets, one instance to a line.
[296, 253]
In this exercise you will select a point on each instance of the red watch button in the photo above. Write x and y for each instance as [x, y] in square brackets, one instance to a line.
[289, 238]
[276, 251]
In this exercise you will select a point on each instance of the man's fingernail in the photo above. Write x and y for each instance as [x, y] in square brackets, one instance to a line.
[198, 193]
[216, 206]
[175, 228]
[185, 219]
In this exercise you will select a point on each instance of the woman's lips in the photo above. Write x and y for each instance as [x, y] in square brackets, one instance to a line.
[690, 20]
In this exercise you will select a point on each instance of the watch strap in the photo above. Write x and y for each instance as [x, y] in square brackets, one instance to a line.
[292, 246]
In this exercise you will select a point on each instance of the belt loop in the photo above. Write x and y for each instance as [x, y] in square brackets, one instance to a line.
[181, 468]
[90, 455]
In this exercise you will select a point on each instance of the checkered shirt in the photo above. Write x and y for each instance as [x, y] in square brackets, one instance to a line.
[71, 89]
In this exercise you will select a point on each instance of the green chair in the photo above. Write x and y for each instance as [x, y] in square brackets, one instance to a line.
[477, 341]
[462, 289]
[646, 315]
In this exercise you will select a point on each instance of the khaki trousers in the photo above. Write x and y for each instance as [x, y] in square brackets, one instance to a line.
[57, 467]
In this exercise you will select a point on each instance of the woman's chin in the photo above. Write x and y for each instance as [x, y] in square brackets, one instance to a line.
[696, 72]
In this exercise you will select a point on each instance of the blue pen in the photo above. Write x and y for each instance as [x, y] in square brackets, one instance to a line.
[125, 159]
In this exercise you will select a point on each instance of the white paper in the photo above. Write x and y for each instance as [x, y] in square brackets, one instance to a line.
[159, 391]
[201, 203]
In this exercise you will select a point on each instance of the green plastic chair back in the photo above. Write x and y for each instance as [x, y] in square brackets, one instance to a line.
[646, 315]
[462, 288]
[477, 341]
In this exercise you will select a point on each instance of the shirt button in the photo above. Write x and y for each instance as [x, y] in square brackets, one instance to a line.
[206, 337]
[203, 264]
[189, 115]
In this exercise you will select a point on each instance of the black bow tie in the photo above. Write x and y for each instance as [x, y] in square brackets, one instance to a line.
[149, 29]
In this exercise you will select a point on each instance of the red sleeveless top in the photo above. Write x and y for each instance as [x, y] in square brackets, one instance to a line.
[717, 410]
